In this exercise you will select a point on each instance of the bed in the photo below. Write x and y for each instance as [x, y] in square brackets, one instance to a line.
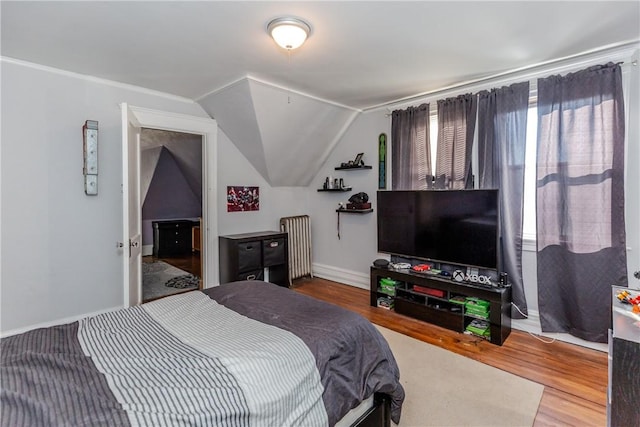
[241, 354]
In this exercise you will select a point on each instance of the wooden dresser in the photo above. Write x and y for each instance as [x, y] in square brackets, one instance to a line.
[172, 237]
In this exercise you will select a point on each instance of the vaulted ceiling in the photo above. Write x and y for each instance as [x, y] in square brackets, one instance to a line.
[277, 106]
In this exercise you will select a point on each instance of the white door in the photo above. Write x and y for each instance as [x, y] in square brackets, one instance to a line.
[131, 212]
[133, 119]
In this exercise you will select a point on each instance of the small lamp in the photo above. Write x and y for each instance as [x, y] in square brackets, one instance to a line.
[289, 33]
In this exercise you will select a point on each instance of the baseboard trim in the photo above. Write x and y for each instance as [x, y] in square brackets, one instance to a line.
[532, 326]
[341, 275]
[147, 250]
[64, 321]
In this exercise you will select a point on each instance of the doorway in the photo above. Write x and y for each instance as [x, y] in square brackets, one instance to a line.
[171, 177]
[134, 119]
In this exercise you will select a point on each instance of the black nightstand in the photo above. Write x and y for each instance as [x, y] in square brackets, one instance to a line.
[245, 257]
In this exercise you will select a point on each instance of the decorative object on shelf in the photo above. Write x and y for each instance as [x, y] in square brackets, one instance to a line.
[243, 199]
[352, 208]
[359, 201]
[382, 161]
[358, 163]
[331, 184]
[90, 157]
[288, 32]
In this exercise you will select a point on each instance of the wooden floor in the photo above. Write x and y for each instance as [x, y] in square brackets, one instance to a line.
[191, 263]
[574, 377]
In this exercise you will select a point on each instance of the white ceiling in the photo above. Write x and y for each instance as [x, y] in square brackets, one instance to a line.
[360, 54]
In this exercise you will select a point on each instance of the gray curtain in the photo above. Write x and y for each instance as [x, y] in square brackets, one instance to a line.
[502, 134]
[410, 149]
[580, 200]
[456, 126]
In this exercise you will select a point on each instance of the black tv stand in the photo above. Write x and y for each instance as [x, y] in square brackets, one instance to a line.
[438, 309]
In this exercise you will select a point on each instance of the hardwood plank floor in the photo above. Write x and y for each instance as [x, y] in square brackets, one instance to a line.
[191, 263]
[574, 377]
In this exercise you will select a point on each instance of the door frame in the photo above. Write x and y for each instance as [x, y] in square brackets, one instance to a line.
[207, 128]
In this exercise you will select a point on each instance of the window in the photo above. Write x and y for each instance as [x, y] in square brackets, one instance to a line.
[529, 215]
[529, 219]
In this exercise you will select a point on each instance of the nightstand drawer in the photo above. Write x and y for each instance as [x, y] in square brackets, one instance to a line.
[273, 252]
[249, 256]
[252, 275]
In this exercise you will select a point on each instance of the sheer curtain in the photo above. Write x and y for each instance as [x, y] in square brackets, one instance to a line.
[456, 126]
[580, 200]
[411, 152]
[502, 134]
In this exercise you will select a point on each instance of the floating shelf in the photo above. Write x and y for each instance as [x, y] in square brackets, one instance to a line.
[340, 168]
[355, 211]
[339, 190]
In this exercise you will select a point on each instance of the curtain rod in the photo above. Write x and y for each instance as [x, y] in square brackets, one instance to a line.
[418, 97]
[606, 54]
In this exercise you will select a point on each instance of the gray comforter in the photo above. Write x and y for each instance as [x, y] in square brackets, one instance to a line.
[47, 378]
[353, 358]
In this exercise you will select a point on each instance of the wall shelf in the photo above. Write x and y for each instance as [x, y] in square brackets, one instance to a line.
[338, 190]
[355, 211]
[342, 168]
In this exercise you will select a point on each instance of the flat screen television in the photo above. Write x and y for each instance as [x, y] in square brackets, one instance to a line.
[446, 226]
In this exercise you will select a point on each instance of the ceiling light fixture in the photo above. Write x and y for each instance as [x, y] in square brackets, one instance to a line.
[288, 32]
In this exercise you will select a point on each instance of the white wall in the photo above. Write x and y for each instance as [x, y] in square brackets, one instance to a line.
[348, 259]
[59, 254]
[60, 260]
[275, 202]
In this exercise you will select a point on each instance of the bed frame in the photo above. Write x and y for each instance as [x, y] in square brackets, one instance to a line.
[379, 415]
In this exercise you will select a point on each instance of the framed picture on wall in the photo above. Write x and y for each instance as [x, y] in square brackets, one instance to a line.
[243, 199]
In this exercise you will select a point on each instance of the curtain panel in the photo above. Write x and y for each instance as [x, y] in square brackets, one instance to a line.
[411, 150]
[502, 134]
[456, 126]
[580, 200]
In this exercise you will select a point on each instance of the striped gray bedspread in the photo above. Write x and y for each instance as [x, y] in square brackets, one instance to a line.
[178, 361]
[189, 360]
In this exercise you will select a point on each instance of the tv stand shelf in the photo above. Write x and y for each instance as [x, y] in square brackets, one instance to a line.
[438, 308]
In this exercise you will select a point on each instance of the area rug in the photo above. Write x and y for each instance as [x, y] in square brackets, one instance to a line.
[445, 389]
[160, 279]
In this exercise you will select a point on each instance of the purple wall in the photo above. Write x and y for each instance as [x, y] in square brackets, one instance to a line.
[169, 196]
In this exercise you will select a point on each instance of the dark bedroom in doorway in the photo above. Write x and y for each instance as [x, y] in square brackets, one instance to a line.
[171, 198]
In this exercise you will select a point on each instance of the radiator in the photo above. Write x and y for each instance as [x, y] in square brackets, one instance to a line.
[299, 229]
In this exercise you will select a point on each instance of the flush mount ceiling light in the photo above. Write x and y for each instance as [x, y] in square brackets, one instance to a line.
[289, 33]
